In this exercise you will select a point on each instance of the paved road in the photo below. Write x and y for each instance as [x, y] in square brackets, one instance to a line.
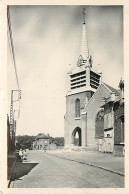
[47, 171]
[104, 160]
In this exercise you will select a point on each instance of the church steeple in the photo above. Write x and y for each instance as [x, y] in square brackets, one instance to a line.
[84, 57]
[84, 42]
[83, 78]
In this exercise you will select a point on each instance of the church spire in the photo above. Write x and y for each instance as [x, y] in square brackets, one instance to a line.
[84, 15]
[84, 51]
[84, 43]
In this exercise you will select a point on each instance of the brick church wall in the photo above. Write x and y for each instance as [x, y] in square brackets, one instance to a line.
[118, 137]
[118, 113]
[117, 131]
[70, 122]
[92, 109]
[86, 121]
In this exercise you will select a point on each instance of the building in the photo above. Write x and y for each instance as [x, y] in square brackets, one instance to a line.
[43, 141]
[83, 83]
[94, 115]
[113, 140]
[85, 121]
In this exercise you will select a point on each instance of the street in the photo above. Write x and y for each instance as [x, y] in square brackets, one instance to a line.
[43, 170]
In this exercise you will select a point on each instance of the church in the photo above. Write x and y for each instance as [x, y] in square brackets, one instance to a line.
[84, 120]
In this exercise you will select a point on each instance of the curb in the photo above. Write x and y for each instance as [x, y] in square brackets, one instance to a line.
[12, 172]
[89, 164]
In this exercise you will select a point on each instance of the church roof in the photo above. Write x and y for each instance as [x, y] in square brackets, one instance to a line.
[111, 89]
[117, 93]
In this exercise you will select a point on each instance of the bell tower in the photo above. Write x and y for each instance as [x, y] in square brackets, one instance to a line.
[83, 77]
[83, 83]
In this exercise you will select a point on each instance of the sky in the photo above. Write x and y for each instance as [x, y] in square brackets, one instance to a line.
[46, 40]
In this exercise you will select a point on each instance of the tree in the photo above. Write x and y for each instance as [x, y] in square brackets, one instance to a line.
[59, 141]
[24, 142]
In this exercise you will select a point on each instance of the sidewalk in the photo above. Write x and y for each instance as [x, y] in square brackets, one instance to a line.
[101, 160]
[12, 158]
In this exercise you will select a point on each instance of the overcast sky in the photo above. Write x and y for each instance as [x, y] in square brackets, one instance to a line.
[46, 40]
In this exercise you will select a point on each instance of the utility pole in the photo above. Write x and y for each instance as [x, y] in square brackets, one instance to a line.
[18, 91]
[12, 116]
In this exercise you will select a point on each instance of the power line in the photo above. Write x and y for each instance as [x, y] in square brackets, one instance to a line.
[10, 50]
[12, 46]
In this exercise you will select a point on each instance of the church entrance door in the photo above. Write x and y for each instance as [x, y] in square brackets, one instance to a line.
[76, 137]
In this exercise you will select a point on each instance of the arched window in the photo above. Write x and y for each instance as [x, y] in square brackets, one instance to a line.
[99, 124]
[77, 108]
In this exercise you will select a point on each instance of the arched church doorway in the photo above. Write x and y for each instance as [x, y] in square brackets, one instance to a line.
[76, 137]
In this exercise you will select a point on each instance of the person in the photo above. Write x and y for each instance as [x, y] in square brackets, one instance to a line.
[21, 154]
[25, 155]
[44, 148]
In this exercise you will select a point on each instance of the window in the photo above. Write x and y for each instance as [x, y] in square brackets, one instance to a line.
[99, 124]
[77, 108]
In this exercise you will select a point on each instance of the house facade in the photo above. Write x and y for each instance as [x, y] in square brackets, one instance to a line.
[43, 141]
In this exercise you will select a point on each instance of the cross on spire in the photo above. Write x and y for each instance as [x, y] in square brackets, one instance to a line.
[84, 15]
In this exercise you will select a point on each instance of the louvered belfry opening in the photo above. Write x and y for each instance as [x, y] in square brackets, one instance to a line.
[78, 80]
